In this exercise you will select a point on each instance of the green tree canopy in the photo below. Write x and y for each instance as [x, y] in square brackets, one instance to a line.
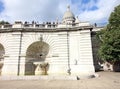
[3, 22]
[114, 20]
[110, 38]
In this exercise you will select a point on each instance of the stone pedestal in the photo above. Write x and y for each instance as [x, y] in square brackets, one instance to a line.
[41, 68]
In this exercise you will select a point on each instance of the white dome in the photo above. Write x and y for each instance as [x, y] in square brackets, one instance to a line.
[68, 16]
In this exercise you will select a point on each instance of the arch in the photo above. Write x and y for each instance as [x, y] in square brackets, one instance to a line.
[34, 37]
[36, 52]
[2, 53]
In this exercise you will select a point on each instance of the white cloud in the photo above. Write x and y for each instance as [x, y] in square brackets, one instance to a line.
[102, 14]
[49, 10]
[39, 10]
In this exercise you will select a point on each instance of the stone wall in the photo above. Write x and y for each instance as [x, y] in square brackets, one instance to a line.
[70, 52]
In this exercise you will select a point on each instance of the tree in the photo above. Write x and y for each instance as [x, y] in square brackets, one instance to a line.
[114, 20]
[110, 38]
[4, 22]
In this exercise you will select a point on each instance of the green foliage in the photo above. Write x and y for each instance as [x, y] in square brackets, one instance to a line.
[110, 46]
[114, 20]
[110, 38]
[99, 35]
[3, 22]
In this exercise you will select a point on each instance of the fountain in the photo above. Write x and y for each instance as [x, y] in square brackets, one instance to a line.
[36, 53]
[41, 68]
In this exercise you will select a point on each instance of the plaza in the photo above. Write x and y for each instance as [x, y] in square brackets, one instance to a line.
[106, 80]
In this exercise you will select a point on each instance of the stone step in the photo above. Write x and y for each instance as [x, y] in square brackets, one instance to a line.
[50, 77]
[38, 78]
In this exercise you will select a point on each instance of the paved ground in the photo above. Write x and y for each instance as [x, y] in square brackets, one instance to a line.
[107, 80]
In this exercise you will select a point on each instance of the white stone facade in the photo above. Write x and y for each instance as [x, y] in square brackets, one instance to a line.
[69, 50]
[78, 43]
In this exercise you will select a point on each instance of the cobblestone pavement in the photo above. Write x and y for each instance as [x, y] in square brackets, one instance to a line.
[107, 80]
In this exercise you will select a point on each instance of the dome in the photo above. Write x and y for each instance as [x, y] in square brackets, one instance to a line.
[68, 15]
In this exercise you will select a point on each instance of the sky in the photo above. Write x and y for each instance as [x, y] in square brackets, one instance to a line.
[94, 11]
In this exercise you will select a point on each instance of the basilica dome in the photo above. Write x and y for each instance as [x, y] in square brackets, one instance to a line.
[68, 16]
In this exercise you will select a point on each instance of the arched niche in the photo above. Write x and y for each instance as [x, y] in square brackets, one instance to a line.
[36, 52]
